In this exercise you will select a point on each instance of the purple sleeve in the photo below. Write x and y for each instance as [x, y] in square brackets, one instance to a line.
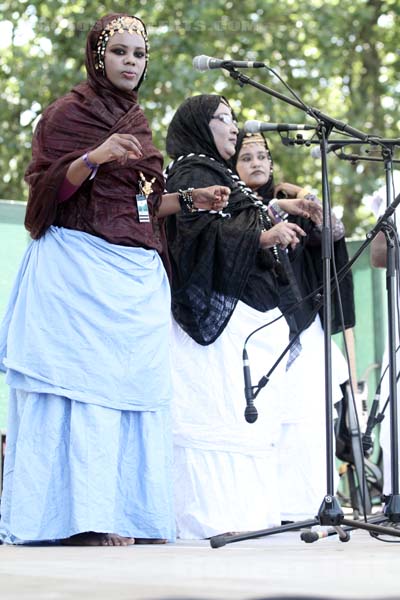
[66, 190]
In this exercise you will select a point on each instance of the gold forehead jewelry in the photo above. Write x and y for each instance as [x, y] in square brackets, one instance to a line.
[253, 138]
[119, 25]
[130, 24]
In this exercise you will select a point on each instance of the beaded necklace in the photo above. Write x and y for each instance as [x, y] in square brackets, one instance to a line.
[263, 216]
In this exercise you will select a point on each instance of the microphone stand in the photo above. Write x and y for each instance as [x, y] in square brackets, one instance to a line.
[353, 158]
[330, 512]
[386, 224]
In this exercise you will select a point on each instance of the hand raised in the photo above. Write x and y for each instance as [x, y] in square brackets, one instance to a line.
[282, 235]
[309, 209]
[119, 147]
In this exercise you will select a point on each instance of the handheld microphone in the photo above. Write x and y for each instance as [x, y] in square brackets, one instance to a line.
[312, 536]
[204, 63]
[257, 126]
[250, 413]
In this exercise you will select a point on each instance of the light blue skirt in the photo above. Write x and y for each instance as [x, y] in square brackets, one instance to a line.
[85, 344]
[90, 321]
[72, 467]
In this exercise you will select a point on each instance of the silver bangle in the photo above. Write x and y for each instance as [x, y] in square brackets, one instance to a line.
[277, 211]
[92, 166]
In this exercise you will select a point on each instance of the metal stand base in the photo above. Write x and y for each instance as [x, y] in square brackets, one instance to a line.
[330, 514]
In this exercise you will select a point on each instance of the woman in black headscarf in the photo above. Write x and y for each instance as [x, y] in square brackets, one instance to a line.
[302, 465]
[227, 275]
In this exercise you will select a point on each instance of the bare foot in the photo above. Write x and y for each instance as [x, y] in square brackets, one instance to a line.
[149, 541]
[91, 538]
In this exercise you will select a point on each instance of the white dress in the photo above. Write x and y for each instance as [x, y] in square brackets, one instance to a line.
[226, 476]
[233, 476]
[302, 446]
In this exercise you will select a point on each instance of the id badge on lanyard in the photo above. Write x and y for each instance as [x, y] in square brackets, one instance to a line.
[145, 189]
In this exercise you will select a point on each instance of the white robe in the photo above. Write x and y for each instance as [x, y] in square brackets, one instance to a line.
[233, 476]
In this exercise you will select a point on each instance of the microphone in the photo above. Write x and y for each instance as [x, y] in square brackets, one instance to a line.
[312, 536]
[250, 413]
[204, 63]
[316, 151]
[257, 126]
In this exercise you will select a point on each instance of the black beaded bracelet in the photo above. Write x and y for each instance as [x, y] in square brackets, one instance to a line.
[185, 198]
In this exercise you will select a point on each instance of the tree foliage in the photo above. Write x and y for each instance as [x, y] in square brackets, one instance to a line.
[339, 56]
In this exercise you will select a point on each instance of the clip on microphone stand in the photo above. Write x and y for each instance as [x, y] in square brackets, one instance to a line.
[330, 512]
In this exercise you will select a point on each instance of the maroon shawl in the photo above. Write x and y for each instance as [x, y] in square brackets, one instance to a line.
[77, 123]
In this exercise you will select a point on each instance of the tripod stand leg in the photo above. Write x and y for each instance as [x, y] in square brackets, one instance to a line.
[372, 527]
[342, 533]
[221, 540]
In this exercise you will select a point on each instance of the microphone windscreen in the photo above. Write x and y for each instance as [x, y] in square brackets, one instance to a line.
[251, 414]
[201, 62]
[252, 126]
[309, 536]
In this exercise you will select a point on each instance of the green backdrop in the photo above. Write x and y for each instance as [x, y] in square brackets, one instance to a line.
[369, 296]
[13, 240]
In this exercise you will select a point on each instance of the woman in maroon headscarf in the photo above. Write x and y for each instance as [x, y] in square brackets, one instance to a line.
[85, 338]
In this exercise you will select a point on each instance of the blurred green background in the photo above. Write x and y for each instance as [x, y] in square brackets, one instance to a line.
[340, 56]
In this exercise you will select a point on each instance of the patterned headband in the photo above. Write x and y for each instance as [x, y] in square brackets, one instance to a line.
[253, 138]
[118, 25]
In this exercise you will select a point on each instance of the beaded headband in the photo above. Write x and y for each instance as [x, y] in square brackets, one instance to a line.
[253, 138]
[118, 25]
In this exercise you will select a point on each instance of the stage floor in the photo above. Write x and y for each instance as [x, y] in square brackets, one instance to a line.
[280, 565]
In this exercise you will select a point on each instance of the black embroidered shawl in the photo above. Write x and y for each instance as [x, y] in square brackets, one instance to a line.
[216, 261]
